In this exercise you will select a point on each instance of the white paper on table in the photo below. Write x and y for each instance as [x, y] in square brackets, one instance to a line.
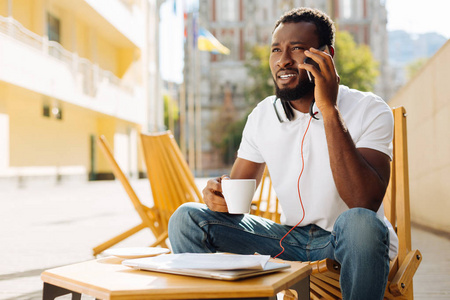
[205, 261]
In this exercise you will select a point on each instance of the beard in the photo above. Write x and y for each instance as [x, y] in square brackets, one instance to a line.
[303, 88]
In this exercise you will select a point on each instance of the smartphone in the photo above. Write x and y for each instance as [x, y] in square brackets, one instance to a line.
[310, 61]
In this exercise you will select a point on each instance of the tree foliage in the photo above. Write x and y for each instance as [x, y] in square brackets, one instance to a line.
[258, 69]
[170, 107]
[354, 63]
[225, 136]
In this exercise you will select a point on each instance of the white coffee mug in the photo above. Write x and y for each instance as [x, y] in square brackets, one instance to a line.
[238, 194]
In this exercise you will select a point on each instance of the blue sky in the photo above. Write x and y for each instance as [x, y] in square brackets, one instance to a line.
[419, 16]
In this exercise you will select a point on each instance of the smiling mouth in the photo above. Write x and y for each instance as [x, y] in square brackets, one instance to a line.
[287, 76]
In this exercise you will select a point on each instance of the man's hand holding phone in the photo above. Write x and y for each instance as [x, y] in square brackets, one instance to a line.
[310, 61]
[325, 76]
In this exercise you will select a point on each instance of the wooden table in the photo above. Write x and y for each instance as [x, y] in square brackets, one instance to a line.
[106, 278]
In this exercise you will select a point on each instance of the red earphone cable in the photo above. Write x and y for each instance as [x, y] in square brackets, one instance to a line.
[298, 189]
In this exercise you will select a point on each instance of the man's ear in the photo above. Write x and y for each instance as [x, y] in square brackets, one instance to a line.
[331, 50]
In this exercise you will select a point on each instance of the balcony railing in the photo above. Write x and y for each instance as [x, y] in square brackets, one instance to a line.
[91, 73]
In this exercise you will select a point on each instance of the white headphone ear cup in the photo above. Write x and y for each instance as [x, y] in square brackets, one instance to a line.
[279, 111]
[311, 110]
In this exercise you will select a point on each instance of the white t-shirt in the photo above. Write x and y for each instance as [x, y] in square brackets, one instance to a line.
[265, 140]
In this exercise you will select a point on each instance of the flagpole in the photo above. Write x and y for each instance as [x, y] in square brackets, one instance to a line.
[191, 103]
[170, 105]
[183, 85]
[198, 114]
[183, 116]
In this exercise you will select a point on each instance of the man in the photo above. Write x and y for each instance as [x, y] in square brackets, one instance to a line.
[329, 164]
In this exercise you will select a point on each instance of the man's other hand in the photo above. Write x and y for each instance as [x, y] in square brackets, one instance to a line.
[212, 195]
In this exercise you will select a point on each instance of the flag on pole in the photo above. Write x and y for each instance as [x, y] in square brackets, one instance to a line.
[207, 42]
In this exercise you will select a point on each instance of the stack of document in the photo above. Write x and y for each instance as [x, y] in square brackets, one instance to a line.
[216, 266]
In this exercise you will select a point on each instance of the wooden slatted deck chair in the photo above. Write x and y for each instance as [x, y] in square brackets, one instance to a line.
[172, 182]
[148, 215]
[165, 157]
[324, 282]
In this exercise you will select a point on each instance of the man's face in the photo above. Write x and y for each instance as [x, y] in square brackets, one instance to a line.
[289, 41]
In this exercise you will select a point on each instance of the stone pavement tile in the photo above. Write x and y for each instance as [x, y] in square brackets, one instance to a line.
[432, 279]
[21, 288]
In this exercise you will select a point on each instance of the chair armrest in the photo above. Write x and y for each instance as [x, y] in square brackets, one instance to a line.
[405, 273]
[325, 265]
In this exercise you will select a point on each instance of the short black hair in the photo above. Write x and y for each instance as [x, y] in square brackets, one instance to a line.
[324, 24]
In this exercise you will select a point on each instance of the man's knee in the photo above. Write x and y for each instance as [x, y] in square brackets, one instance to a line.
[361, 228]
[182, 217]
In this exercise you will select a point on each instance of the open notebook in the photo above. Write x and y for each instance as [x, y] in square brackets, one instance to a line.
[214, 266]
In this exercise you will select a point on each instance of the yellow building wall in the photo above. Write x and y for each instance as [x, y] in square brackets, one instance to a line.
[36, 140]
[81, 39]
[23, 12]
[108, 57]
[427, 102]
[126, 60]
[38, 19]
[4, 8]
[4, 128]
[3, 97]
[28, 12]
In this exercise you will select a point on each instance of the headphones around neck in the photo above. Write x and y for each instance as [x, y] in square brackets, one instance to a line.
[285, 112]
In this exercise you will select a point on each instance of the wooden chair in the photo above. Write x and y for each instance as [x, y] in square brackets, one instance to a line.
[149, 216]
[168, 172]
[266, 205]
[172, 182]
[324, 282]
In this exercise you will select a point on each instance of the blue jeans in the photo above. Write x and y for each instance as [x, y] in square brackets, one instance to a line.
[359, 242]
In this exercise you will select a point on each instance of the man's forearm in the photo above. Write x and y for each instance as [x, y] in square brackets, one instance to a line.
[358, 183]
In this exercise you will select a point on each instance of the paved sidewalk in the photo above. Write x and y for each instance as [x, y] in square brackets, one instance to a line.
[45, 226]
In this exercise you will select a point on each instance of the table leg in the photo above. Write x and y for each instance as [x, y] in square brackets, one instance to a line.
[51, 291]
[302, 288]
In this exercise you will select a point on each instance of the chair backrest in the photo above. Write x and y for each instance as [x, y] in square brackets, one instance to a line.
[171, 180]
[396, 200]
[118, 173]
[266, 205]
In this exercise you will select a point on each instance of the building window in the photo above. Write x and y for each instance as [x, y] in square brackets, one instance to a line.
[52, 109]
[46, 110]
[347, 9]
[227, 10]
[57, 112]
[53, 28]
